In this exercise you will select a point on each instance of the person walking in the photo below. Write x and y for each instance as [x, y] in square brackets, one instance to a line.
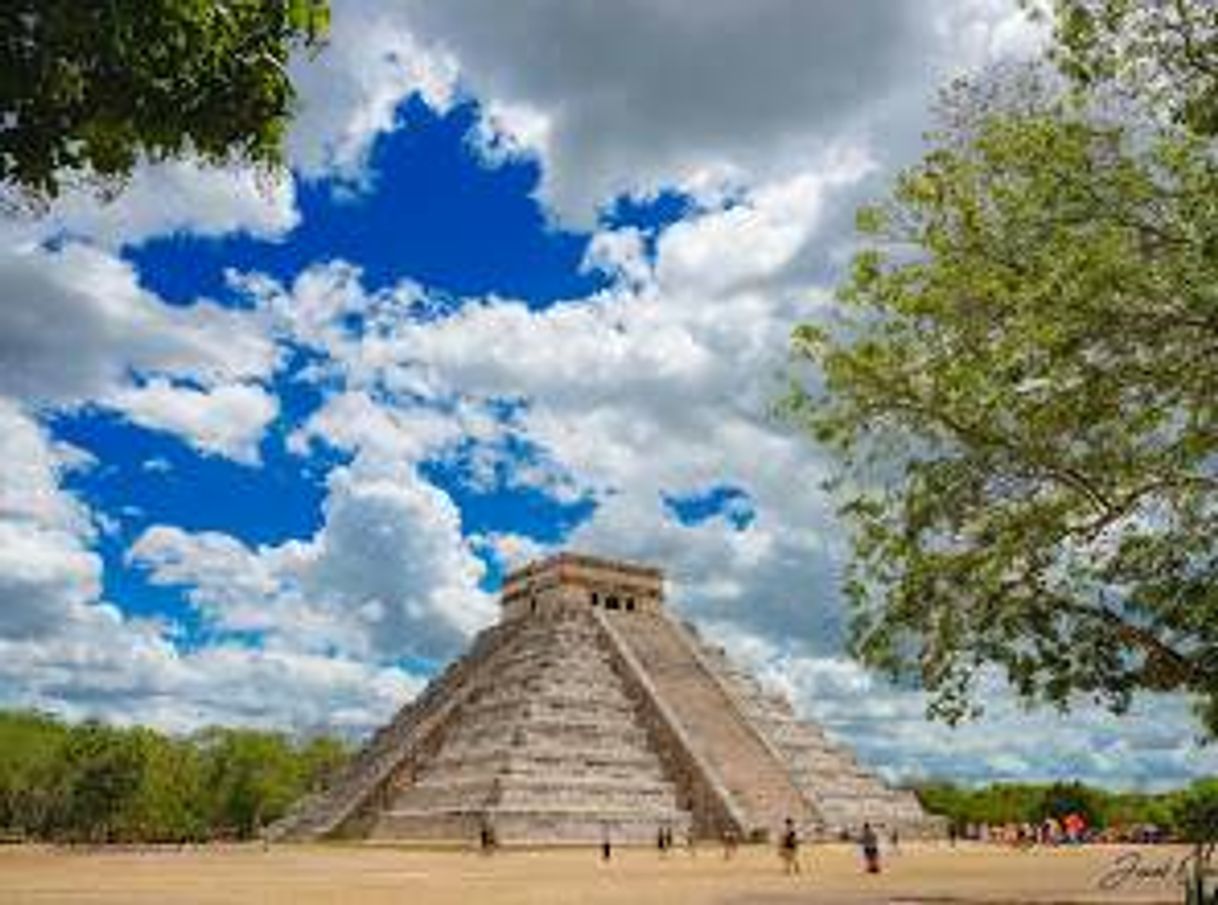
[730, 842]
[871, 849]
[789, 848]
[487, 836]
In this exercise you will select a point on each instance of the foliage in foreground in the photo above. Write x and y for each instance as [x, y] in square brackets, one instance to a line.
[1022, 391]
[87, 89]
[91, 782]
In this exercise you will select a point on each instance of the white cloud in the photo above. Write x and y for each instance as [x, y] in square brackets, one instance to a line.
[352, 421]
[77, 328]
[660, 386]
[227, 420]
[129, 672]
[349, 92]
[178, 196]
[47, 571]
[388, 574]
[634, 96]
[75, 324]
[511, 131]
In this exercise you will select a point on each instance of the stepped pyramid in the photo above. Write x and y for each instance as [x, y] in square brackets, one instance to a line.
[589, 711]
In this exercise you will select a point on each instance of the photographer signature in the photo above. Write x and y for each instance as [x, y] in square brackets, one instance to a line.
[1134, 867]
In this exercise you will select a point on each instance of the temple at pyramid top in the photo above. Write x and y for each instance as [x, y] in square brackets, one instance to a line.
[588, 710]
[575, 580]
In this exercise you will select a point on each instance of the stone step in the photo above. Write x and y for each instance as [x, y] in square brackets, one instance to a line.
[502, 707]
[581, 736]
[635, 770]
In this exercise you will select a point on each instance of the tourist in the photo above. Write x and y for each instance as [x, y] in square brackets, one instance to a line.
[662, 842]
[871, 849]
[789, 848]
[730, 842]
[606, 845]
[894, 840]
[487, 837]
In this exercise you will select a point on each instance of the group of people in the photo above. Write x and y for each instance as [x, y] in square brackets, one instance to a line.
[788, 846]
[1072, 829]
[869, 842]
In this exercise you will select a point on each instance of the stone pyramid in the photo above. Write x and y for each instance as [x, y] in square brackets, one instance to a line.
[586, 712]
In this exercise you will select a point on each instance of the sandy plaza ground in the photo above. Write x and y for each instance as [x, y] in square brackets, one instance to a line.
[339, 873]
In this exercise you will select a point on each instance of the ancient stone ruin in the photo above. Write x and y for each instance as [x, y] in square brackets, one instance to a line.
[589, 712]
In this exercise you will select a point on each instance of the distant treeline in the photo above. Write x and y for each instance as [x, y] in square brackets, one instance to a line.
[1184, 813]
[91, 782]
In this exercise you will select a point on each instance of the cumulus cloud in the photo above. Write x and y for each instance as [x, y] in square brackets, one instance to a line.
[631, 97]
[130, 672]
[178, 196]
[350, 91]
[77, 328]
[387, 575]
[47, 570]
[227, 420]
[638, 96]
[75, 323]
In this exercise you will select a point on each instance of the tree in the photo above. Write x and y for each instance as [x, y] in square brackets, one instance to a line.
[1196, 812]
[1021, 391]
[169, 802]
[253, 778]
[100, 783]
[30, 743]
[1196, 819]
[103, 770]
[88, 89]
[1163, 51]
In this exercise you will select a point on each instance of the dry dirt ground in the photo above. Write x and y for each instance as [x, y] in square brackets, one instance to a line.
[302, 875]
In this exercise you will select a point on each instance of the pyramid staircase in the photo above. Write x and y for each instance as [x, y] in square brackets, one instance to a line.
[549, 750]
[756, 777]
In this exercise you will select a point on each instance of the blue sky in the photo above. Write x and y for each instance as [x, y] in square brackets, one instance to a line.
[529, 284]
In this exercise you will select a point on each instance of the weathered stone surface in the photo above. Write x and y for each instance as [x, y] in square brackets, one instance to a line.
[589, 712]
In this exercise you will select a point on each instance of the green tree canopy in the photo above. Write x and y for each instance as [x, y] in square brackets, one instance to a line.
[1163, 52]
[1196, 812]
[88, 89]
[1022, 389]
[102, 783]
